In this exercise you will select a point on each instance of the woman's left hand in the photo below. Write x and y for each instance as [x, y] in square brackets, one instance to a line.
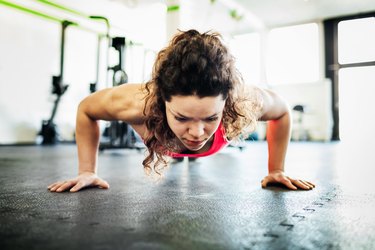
[276, 177]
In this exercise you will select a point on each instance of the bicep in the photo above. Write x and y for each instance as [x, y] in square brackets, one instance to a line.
[274, 106]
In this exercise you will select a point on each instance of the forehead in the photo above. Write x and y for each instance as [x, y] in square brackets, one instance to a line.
[194, 106]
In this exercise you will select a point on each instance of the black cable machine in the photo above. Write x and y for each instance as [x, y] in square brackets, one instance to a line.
[119, 134]
[49, 131]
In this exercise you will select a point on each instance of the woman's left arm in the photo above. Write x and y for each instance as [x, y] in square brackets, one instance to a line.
[276, 111]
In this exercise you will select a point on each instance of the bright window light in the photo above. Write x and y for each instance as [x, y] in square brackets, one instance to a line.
[246, 49]
[356, 90]
[293, 54]
[356, 40]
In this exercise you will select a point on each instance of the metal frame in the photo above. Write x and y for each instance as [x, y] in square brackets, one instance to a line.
[332, 65]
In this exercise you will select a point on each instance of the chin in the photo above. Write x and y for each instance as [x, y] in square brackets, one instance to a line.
[194, 148]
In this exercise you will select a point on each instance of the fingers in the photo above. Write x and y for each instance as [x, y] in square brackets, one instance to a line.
[101, 183]
[54, 186]
[264, 182]
[61, 186]
[286, 182]
[65, 186]
[51, 186]
[278, 179]
[77, 187]
[302, 184]
[74, 186]
[97, 182]
[308, 184]
[77, 184]
[311, 184]
[290, 183]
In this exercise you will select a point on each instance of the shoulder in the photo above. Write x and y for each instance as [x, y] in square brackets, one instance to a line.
[125, 102]
[128, 102]
[273, 105]
[128, 90]
[265, 99]
[127, 94]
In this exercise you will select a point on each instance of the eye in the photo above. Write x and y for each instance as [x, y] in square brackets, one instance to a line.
[211, 119]
[180, 119]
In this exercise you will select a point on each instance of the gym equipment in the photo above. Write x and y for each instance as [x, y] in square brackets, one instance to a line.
[49, 131]
[119, 134]
[299, 132]
[119, 75]
[93, 86]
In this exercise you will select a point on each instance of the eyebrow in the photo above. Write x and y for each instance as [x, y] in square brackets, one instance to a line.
[184, 116]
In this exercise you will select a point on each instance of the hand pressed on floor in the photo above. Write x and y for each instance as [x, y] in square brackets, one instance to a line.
[278, 177]
[86, 179]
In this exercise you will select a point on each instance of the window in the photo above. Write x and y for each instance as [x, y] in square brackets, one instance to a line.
[246, 50]
[293, 54]
[357, 120]
[356, 56]
[356, 40]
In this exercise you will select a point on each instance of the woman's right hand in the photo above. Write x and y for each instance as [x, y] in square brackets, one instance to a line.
[85, 179]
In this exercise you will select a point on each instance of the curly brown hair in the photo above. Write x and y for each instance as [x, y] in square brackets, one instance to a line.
[195, 64]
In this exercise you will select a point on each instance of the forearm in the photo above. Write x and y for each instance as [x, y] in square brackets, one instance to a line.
[276, 112]
[87, 138]
[278, 136]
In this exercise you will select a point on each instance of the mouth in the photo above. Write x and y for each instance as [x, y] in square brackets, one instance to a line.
[194, 143]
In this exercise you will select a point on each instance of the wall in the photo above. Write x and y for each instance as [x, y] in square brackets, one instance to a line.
[30, 56]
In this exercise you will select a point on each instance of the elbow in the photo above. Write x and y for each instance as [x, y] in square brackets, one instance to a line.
[286, 112]
[275, 109]
[83, 109]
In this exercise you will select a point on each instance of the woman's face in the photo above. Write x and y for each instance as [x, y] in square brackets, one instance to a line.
[194, 120]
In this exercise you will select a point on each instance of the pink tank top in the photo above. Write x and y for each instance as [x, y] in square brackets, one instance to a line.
[220, 141]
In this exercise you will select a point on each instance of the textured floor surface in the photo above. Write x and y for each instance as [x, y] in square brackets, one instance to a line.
[214, 203]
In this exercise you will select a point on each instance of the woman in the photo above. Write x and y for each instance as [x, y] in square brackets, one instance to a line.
[193, 106]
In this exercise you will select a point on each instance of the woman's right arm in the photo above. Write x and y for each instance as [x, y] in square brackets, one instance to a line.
[117, 103]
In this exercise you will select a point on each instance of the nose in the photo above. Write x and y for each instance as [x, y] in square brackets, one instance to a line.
[196, 129]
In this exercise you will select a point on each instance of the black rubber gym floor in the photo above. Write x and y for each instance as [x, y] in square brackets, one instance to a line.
[214, 203]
